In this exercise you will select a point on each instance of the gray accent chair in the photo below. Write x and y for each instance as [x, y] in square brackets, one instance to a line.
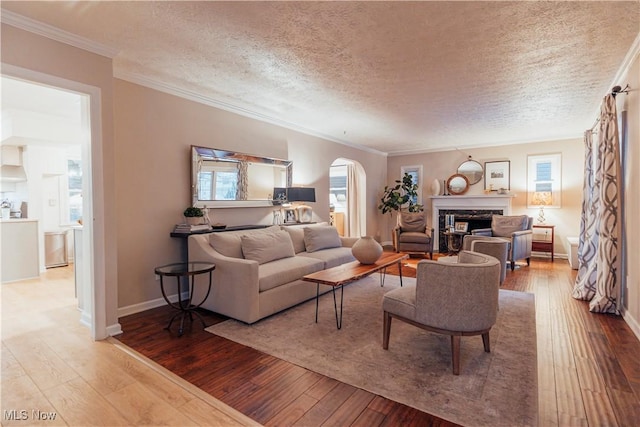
[496, 247]
[411, 234]
[456, 299]
[517, 230]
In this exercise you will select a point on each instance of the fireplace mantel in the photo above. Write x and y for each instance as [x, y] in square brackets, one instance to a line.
[479, 202]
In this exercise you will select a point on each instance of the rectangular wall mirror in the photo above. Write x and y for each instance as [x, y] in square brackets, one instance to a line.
[229, 179]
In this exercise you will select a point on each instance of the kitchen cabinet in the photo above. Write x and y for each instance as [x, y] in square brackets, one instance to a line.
[20, 259]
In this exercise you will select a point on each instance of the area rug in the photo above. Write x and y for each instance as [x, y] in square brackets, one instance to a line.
[497, 388]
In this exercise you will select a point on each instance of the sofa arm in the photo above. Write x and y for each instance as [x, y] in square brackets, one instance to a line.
[347, 242]
[521, 243]
[235, 289]
[482, 232]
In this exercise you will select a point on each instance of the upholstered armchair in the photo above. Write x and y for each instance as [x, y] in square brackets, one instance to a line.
[411, 234]
[456, 299]
[515, 229]
[494, 246]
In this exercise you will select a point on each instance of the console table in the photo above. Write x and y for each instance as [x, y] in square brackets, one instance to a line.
[543, 242]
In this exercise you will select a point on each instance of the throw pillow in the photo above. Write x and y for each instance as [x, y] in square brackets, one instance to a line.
[297, 237]
[265, 247]
[318, 238]
[503, 226]
[412, 221]
[228, 242]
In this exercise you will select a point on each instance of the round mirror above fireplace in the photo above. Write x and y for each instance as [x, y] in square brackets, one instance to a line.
[457, 184]
[472, 170]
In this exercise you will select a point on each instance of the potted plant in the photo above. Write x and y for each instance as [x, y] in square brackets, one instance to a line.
[401, 195]
[193, 215]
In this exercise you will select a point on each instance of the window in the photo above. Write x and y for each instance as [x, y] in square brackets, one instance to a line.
[218, 184]
[416, 175]
[338, 187]
[74, 174]
[544, 175]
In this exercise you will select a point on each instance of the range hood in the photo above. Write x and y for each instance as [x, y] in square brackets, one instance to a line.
[12, 169]
[11, 173]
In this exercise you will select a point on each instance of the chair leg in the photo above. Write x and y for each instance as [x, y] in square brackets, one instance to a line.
[455, 353]
[513, 265]
[486, 342]
[528, 261]
[431, 254]
[386, 330]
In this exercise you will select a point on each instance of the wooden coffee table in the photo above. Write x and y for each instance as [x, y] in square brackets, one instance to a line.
[350, 272]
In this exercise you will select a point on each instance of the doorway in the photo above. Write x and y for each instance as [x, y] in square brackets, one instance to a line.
[51, 120]
[347, 197]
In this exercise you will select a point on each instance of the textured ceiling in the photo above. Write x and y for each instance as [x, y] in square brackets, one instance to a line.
[392, 76]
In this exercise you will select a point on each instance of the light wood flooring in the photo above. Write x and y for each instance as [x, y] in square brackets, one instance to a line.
[588, 365]
[54, 374]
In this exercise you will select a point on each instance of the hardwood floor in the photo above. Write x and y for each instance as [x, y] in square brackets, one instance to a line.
[54, 374]
[588, 369]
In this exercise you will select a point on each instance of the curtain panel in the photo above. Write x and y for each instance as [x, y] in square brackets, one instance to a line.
[601, 216]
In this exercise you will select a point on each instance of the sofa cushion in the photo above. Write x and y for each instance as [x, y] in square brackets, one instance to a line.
[297, 237]
[503, 226]
[414, 237]
[332, 257]
[412, 221]
[285, 270]
[317, 238]
[228, 243]
[297, 234]
[265, 247]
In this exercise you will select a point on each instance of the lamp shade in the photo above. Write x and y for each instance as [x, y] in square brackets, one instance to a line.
[541, 198]
[301, 194]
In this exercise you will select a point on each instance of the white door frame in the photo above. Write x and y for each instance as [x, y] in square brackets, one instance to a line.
[93, 203]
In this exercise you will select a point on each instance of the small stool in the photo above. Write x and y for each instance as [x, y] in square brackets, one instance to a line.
[185, 306]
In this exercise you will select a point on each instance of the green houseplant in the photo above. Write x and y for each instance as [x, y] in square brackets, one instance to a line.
[193, 215]
[401, 195]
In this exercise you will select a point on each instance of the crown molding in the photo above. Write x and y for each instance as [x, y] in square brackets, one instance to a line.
[54, 33]
[623, 71]
[196, 97]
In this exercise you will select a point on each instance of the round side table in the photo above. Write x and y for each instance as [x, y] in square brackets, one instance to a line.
[185, 306]
[454, 241]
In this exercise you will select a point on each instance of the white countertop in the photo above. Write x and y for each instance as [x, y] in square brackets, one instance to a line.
[6, 221]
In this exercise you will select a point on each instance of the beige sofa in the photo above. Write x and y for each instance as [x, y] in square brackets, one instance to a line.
[258, 272]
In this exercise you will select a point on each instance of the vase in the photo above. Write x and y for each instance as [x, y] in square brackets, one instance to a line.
[366, 250]
[435, 187]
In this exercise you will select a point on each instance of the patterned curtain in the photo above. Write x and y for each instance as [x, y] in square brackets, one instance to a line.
[604, 293]
[243, 182]
[585, 286]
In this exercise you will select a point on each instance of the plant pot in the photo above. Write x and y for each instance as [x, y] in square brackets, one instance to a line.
[193, 220]
[366, 250]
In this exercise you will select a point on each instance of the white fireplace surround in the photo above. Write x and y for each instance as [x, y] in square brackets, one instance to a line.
[481, 202]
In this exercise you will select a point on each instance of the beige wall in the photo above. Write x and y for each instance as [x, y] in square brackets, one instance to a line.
[631, 103]
[153, 134]
[39, 54]
[441, 165]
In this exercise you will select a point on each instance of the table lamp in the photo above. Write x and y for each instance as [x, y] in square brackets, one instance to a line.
[302, 194]
[542, 199]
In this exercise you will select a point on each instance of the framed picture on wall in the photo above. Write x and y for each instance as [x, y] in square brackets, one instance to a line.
[496, 175]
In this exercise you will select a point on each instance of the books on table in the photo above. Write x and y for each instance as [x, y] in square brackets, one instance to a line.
[186, 228]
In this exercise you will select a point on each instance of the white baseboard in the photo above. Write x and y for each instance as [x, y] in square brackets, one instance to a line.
[632, 322]
[113, 330]
[147, 305]
[387, 243]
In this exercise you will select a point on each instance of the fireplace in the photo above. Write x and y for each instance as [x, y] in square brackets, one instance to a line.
[476, 218]
[476, 210]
